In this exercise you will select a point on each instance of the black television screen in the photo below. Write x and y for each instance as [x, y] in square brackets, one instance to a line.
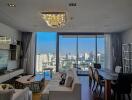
[3, 60]
[2, 70]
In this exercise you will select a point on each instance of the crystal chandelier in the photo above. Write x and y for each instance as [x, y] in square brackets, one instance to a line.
[54, 19]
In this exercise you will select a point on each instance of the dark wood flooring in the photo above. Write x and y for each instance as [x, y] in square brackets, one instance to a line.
[86, 94]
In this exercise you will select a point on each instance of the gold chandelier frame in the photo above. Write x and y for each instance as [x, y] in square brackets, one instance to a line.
[54, 19]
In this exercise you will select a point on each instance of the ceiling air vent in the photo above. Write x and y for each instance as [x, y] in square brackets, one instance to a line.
[72, 4]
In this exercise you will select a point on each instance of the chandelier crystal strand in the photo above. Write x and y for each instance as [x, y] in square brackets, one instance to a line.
[54, 19]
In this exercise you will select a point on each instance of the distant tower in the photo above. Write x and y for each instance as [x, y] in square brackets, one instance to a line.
[86, 56]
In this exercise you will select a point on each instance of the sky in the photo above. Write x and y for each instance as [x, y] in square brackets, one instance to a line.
[46, 43]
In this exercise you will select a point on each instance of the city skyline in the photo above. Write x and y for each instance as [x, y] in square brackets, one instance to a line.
[46, 51]
[67, 61]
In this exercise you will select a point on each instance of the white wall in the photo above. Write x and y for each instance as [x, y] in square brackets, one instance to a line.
[15, 35]
[108, 52]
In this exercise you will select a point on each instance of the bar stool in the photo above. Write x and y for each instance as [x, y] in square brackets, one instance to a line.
[96, 65]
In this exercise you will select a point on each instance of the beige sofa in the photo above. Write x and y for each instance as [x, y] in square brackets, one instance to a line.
[16, 94]
[54, 91]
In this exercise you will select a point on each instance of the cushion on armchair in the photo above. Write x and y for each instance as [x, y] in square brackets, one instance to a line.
[6, 86]
[71, 90]
[69, 81]
[63, 78]
[6, 94]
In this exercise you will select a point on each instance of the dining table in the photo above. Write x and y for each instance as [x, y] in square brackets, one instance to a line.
[108, 76]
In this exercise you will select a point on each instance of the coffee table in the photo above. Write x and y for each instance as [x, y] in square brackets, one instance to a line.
[33, 82]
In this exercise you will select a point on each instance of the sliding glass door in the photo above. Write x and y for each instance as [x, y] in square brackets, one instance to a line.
[81, 51]
[67, 52]
[45, 51]
[62, 51]
[101, 50]
[86, 51]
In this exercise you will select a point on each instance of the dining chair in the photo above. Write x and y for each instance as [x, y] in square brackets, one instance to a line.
[97, 65]
[91, 77]
[118, 69]
[98, 81]
[122, 86]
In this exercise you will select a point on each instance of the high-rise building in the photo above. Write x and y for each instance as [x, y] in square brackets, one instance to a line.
[86, 56]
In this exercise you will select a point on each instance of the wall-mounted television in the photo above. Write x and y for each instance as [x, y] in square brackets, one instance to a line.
[3, 61]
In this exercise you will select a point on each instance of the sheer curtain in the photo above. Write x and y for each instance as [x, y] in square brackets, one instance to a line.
[28, 52]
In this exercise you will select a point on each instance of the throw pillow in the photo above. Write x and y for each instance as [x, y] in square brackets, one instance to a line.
[63, 75]
[5, 86]
[69, 81]
[63, 78]
[62, 82]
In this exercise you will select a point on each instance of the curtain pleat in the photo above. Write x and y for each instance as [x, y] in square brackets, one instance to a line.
[27, 52]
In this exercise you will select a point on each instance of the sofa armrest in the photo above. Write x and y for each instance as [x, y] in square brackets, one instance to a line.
[22, 94]
[61, 95]
[60, 88]
[51, 93]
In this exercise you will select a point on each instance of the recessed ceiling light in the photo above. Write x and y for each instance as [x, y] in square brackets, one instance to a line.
[71, 18]
[11, 5]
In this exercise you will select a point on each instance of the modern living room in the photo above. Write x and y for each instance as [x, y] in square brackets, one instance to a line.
[59, 50]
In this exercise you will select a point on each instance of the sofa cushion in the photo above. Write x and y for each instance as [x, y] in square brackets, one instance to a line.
[48, 88]
[54, 90]
[63, 78]
[45, 97]
[69, 81]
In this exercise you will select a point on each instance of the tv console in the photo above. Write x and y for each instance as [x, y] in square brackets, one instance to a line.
[10, 75]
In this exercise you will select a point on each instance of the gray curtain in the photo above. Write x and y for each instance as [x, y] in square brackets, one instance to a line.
[28, 52]
[116, 49]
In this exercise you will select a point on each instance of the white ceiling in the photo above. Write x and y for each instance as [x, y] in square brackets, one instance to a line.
[88, 15]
